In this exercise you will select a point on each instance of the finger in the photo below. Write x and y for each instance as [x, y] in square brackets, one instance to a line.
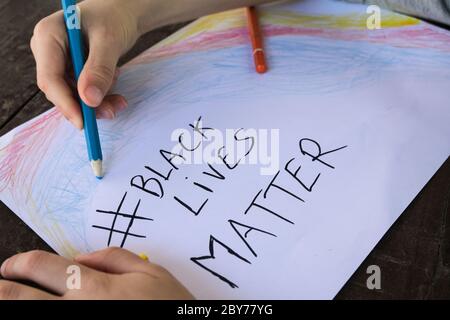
[110, 106]
[14, 291]
[118, 261]
[49, 49]
[69, 78]
[98, 73]
[45, 269]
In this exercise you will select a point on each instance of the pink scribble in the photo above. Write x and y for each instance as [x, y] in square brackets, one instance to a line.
[421, 36]
[23, 155]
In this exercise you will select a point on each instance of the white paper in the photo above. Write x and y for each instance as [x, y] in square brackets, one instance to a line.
[378, 96]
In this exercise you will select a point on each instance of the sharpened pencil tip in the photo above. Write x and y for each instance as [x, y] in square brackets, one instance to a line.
[260, 68]
[97, 167]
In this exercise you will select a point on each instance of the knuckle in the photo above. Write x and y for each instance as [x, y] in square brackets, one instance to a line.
[42, 28]
[105, 32]
[42, 82]
[103, 72]
[8, 291]
[102, 31]
[47, 30]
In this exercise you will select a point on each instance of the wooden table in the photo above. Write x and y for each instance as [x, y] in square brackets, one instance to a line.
[414, 255]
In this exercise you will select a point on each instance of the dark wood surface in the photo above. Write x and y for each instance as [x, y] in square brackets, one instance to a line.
[414, 255]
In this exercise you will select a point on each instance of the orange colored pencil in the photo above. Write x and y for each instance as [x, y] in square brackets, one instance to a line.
[256, 37]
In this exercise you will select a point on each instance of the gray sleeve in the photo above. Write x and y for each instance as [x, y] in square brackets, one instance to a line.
[435, 10]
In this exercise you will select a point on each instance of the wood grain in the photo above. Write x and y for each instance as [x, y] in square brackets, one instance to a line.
[17, 78]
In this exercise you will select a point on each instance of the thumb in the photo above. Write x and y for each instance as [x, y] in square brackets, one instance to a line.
[114, 260]
[98, 73]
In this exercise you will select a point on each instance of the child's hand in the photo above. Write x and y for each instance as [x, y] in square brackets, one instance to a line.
[111, 28]
[112, 273]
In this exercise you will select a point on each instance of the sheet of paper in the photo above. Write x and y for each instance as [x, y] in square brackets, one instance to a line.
[246, 185]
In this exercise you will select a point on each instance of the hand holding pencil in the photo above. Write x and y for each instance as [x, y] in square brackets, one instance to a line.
[73, 27]
[110, 29]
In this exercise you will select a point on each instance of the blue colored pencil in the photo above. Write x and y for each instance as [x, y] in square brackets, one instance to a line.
[73, 27]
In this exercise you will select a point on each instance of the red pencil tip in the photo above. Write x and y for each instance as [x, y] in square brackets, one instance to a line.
[260, 68]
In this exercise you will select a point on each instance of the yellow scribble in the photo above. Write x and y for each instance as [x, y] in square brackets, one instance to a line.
[237, 19]
[216, 22]
[52, 231]
[348, 21]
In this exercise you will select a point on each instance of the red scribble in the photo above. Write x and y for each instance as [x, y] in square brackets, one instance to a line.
[421, 36]
[24, 154]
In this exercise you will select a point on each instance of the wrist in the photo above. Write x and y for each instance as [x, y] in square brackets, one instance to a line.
[149, 14]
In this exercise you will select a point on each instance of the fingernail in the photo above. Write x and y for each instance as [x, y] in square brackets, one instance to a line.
[95, 95]
[121, 105]
[3, 267]
[77, 124]
[106, 114]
